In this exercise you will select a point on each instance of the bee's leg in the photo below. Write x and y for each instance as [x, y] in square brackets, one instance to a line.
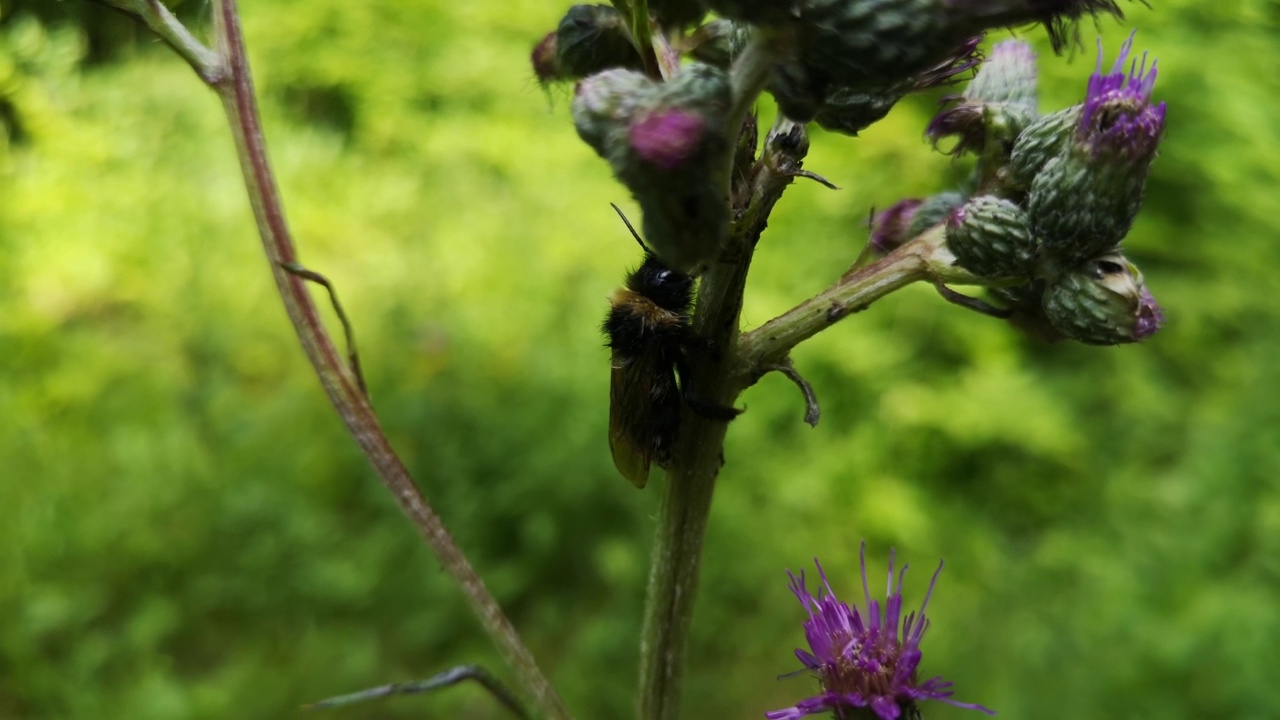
[708, 410]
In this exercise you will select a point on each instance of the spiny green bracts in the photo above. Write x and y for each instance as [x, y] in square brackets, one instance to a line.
[850, 111]
[1083, 202]
[1102, 302]
[1008, 75]
[1080, 209]
[990, 238]
[1041, 141]
[933, 210]
[666, 142]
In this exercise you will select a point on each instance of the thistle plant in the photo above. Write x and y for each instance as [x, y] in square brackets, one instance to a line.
[666, 94]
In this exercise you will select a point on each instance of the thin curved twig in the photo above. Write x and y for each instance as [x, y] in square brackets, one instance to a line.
[812, 412]
[439, 681]
[226, 71]
[353, 355]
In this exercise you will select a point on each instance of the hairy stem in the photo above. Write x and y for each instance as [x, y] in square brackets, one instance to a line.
[925, 257]
[234, 86]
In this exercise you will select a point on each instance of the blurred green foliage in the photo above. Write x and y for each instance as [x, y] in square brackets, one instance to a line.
[186, 532]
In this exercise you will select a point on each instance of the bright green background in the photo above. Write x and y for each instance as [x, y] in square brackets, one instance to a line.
[185, 531]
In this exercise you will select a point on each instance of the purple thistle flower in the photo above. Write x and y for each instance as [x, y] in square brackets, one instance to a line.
[862, 662]
[1118, 116]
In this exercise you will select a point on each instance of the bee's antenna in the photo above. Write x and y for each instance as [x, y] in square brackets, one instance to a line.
[634, 234]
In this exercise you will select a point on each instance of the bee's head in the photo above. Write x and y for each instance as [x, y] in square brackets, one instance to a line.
[669, 289]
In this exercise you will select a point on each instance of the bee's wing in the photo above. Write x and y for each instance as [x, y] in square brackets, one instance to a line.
[630, 407]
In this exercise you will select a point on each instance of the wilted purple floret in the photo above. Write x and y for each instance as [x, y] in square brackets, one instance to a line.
[862, 661]
[889, 228]
[966, 56]
[1118, 114]
[1150, 316]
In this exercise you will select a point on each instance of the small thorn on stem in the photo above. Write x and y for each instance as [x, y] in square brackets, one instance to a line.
[353, 357]
[811, 410]
[449, 677]
[837, 311]
[816, 178]
[972, 303]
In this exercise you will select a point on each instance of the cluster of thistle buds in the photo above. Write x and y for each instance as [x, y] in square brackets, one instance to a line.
[1051, 197]
[664, 127]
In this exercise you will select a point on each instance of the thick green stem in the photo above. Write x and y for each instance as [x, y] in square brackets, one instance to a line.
[699, 453]
[686, 500]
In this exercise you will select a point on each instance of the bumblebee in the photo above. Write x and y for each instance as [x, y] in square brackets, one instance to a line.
[650, 338]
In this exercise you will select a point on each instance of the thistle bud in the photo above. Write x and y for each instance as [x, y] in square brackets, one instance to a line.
[1084, 201]
[666, 142]
[990, 238]
[1007, 76]
[1102, 302]
[591, 39]
[997, 106]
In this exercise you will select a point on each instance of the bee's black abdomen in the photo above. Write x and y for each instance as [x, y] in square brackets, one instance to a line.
[664, 420]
